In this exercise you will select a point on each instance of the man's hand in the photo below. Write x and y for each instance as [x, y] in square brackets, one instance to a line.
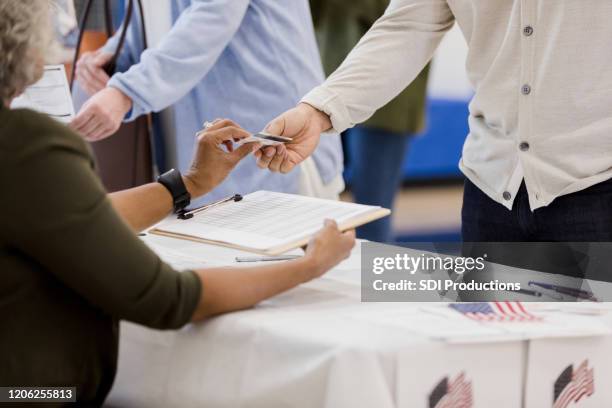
[90, 71]
[215, 156]
[102, 114]
[304, 124]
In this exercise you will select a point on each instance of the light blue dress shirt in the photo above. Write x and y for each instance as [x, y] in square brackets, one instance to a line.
[247, 60]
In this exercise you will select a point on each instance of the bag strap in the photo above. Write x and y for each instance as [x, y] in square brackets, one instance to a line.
[108, 18]
[143, 27]
[77, 51]
[112, 64]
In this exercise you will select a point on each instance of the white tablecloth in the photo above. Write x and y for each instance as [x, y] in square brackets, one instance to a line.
[319, 346]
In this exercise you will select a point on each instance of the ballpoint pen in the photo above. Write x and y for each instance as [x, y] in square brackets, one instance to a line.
[527, 292]
[185, 215]
[549, 293]
[267, 258]
[262, 138]
[205, 126]
[577, 293]
[539, 293]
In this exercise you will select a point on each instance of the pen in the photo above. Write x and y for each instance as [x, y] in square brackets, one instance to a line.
[205, 126]
[185, 215]
[261, 137]
[267, 258]
[536, 293]
[578, 293]
[527, 292]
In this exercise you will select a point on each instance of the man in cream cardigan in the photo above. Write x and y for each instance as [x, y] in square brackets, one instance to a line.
[538, 159]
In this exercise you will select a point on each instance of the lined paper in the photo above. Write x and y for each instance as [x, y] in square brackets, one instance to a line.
[50, 95]
[265, 219]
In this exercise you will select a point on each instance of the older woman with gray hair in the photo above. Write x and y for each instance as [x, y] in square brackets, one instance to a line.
[71, 263]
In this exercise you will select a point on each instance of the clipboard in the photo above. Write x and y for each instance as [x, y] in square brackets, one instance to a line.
[243, 225]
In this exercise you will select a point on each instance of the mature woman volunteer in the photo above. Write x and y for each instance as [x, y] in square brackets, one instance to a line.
[71, 264]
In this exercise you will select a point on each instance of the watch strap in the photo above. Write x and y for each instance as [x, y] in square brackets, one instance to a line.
[173, 181]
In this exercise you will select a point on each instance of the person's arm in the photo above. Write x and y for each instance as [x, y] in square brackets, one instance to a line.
[63, 221]
[143, 206]
[60, 217]
[386, 60]
[167, 72]
[228, 289]
[146, 205]
[90, 74]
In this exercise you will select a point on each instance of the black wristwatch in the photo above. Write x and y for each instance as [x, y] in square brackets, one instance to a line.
[173, 181]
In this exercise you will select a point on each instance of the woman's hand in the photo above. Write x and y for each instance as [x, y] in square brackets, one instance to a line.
[228, 289]
[215, 156]
[143, 206]
[328, 248]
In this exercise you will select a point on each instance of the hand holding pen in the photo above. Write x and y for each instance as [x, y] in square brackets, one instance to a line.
[212, 163]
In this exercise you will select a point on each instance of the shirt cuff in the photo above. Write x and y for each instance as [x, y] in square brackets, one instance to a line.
[327, 101]
[137, 109]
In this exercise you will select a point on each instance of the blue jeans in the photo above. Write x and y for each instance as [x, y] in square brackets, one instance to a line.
[583, 216]
[374, 159]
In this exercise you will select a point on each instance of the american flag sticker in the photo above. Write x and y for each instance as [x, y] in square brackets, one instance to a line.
[495, 312]
[452, 394]
[573, 385]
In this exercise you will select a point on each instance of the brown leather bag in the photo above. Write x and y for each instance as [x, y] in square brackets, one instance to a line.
[125, 159]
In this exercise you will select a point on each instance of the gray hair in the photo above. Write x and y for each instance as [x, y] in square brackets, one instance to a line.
[25, 38]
